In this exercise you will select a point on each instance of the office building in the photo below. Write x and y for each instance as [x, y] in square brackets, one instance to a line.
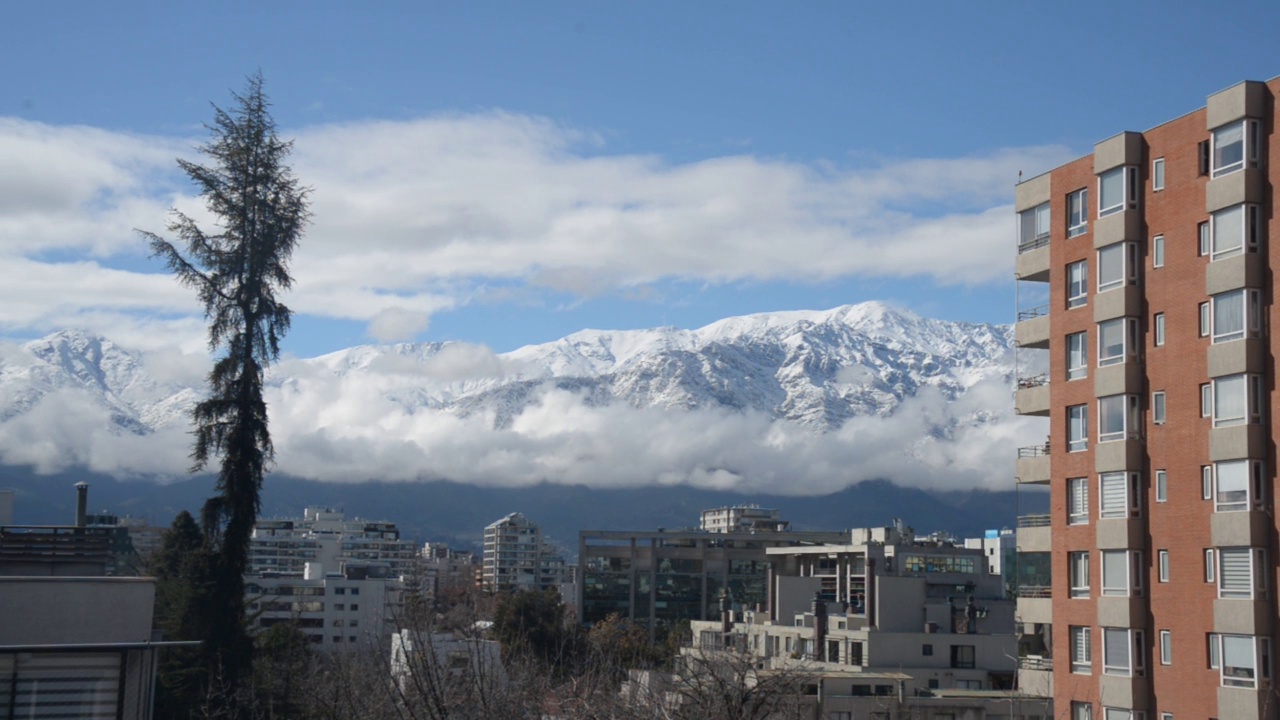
[1145, 292]
[663, 578]
[742, 518]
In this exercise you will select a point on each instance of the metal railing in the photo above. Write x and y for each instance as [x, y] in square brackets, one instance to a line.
[1030, 521]
[1035, 591]
[1035, 662]
[1033, 313]
[1032, 451]
[1033, 381]
[54, 543]
[1033, 244]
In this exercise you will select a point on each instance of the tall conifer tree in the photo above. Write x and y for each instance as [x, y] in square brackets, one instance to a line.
[237, 269]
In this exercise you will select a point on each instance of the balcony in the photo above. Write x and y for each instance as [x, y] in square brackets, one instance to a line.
[1035, 675]
[1035, 605]
[1032, 466]
[1033, 533]
[1033, 260]
[1032, 329]
[1032, 396]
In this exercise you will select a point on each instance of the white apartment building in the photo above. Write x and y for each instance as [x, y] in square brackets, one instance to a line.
[742, 518]
[516, 557]
[337, 610]
[327, 537]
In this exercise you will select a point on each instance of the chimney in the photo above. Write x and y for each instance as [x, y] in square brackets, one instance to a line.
[82, 502]
[819, 626]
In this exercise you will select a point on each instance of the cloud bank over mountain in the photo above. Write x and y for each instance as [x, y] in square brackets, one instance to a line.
[418, 216]
[788, 403]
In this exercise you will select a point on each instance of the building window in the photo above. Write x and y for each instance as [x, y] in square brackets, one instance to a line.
[1240, 657]
[1210, 566]
[1237, 399]
[1117, 190]
[1117, 265]
[1234, 145]
[1111, 713]
[1077, 355]
[1121, 651]
[1157, 327]
[1157, 251]
[1157, 174]
[1203, 229]
[1157, 407]
[1033, 227]
[1077, 284]
[1081, 710]
[1204, 319]
[1117, 414]
[1232, 230]
[1162, 557]
[1118, 495]
[1162, 486]
[963, 657]
[1166, 647]
[927, 649]
[1078, 212]
[1078, 501]
[1081, 650]
[1121, 573]
[1238, 484]
[1117, 341]
[1077, 428]
[1206, 400]
[1235, 313]
[1078, 568]
[1214, 651]
[1241, 573]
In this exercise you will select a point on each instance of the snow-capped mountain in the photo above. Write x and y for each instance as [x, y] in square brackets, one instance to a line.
[817, 369]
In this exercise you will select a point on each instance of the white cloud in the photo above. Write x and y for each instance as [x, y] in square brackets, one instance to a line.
[411, 218]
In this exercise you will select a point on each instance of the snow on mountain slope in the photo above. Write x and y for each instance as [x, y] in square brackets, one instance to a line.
[814, 371]
[814, 368]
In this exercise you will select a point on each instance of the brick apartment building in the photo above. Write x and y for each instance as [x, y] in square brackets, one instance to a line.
[1149, 269]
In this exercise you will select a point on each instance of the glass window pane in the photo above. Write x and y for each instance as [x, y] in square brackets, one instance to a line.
[1111, 418]
[1228, 316]
[1228, 232]
[1110, 191]
[1228, 401]
[1232, 485]
[1111, 267]
[1111, 338]
[1228, 147]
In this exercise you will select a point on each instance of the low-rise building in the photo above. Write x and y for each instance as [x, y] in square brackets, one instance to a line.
[742, 518]
[880, 616]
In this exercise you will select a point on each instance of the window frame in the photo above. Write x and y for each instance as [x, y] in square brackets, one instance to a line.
[1157, 174]
[1252, 403]
[1162, 486]
[1133, 665]
[1157, 329]
[1078, 569]
[1081, 649]
[1128, 254]
[1078, 417]
[1253, 494]
[1037, 220]
[1162, 565]
[1253, 584]
[1157, 251]
[1077, 352]
[1202, 230]
[1078, 501]
[1250, 232]
[1250, 316]
[1078, 209]
[1077, 288]
[1250, 142]
[1131, 561]
[1129, 341]
[1259, 658]
[1210, 566]
[1128, 417]
[1128, 175]
[1166, 647]
[1127, 498]
[1159, 411]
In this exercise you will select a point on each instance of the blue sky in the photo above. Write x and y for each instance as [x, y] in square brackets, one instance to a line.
[507, 173]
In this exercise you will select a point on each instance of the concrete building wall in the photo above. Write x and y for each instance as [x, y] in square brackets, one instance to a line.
[75, 610]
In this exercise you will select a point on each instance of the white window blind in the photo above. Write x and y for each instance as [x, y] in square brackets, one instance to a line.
[1114, 498]
[1235, 572]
